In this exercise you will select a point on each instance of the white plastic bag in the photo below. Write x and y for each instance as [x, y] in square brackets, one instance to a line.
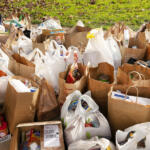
[51, 68]
[24, 45]
[56, 50]
[126, 38]
[70, 57]
[73, 106]
[93, 143]
[77, 129]
[138, 137]
[115, 50]
[4, 59]
[97, 43]
[66, 114]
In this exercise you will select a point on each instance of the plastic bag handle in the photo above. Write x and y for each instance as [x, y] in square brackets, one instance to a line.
[136, 91]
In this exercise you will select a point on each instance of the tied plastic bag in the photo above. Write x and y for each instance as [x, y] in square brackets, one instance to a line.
[71, 106]
[4, 59]
[97, 43]
[87, 126]
[134, 137]
[23, 45]
[93, 144]
[115, 50]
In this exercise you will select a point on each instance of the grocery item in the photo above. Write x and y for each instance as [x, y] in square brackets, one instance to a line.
[3, 127]
[2, 73]
[104, 78]
[30, 140]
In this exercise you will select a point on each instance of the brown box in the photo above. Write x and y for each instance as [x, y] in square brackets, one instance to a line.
[15, 142]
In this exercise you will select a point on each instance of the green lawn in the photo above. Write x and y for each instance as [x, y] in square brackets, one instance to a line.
[104, 13]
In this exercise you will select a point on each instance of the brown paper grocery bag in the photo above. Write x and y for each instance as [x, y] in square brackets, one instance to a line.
[99, 89]
[136, 53]
[20, 107]
[123, 73]
[123, 114]
[65, 88]
[21, 66]
[77, 37]
[48, 108]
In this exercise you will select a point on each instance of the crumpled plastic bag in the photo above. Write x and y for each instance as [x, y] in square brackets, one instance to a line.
[93, 143]
[97, 43]
[134, 137]
[73, 107]
[23, 45]
[77, 128]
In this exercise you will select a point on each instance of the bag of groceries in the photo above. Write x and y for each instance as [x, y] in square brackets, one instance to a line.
[74, 78]
[134, 137]
[92, 144]
[128, 105]
[47, 103]
[87, 126]
[128, 73]
[100, 81]
[77, 104]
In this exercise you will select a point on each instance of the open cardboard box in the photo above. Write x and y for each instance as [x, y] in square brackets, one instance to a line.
[56, 143]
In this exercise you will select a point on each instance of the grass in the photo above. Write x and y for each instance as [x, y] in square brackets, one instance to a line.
[104, 13]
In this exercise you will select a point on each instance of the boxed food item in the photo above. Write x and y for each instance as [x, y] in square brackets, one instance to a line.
[39, 135]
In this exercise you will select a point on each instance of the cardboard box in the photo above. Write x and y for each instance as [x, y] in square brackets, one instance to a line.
[53, 140]
[20, 107]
